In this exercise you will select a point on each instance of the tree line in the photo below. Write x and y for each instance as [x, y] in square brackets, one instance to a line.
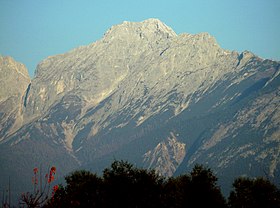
[123, 185]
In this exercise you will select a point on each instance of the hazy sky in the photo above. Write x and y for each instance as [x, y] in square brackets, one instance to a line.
[31, 30]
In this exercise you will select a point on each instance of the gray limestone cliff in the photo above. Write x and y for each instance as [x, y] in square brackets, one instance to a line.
[14, 81]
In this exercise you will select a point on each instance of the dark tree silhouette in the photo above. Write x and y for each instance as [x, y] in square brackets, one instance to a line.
[127, 186]
[123, 185]
[254, 193]
[197, 189]
[176, 191]
[203, 190]
[83, 189]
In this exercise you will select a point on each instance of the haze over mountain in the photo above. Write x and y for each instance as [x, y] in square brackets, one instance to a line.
[147, 95]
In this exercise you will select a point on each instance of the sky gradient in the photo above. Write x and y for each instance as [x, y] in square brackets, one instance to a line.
[31, 30]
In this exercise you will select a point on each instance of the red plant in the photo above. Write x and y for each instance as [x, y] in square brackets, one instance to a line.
[55, 188]
[53, 169]
[39, 196]
[51, 175]
[34, 178]
[35, 170]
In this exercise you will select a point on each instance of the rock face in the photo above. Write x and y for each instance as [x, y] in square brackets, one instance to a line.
[14, 81]
[147, 95]
[166, 156]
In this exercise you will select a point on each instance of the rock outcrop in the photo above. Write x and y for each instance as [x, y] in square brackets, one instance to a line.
[14, 81]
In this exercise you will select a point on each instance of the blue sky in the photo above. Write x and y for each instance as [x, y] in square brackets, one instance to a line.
[31, 30]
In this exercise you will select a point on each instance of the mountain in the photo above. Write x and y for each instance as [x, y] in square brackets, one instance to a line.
[147, 95]
[14, 81]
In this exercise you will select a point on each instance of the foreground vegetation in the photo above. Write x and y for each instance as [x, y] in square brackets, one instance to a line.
[123, 185]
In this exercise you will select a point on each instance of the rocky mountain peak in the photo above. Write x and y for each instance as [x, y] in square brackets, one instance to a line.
[11, 72]
[158, 26]
[150, 29]
[9, 62]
